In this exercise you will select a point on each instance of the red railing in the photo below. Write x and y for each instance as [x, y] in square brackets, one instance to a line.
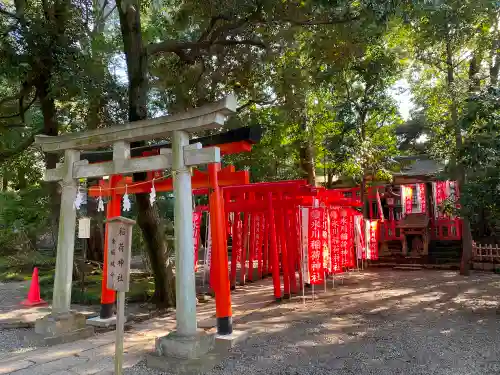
[389, 231]
[443, 229]
[446, 229]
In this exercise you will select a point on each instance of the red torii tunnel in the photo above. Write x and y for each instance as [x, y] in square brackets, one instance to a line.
[268, 233]
[239, 140]
[271, 206]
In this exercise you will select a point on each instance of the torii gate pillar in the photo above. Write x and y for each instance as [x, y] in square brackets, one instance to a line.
[185, 297]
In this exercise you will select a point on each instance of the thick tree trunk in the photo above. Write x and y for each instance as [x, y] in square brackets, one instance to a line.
[306, 152]
[364, 198]
[50, 127]
[307, 162]
[148, 218]
[95, 244]
[459, 169]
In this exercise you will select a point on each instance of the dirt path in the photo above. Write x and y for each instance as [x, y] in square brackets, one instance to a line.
[11, 294]
[378, 323]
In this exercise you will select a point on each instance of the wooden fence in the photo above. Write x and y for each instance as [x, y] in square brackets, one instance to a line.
[485, 253]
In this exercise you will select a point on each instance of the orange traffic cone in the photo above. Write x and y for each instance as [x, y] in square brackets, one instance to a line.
[34, 292]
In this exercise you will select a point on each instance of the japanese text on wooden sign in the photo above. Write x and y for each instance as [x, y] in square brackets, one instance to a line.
[119, 246]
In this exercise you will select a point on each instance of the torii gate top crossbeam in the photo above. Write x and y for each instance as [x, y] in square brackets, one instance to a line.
[206, 117]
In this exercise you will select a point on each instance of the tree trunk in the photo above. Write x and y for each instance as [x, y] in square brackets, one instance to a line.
[495, 52]
[307, 162]
[161, 264]
[459, 169]
[364, 198]
[22, 183]
[306, 152]
[330, 175]
[4, 182]
[51, 128]
[95, 244]
[148, 218]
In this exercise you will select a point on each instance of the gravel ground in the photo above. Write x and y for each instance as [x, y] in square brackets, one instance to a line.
[388, 322]
[12, 340]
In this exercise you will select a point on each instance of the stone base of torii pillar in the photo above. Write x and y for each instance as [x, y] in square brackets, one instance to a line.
[61, 328]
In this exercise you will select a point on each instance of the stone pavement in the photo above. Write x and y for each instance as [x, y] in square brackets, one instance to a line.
[95, 355]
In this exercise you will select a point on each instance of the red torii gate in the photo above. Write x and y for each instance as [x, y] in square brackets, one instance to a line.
[276, 203]
[116, 187]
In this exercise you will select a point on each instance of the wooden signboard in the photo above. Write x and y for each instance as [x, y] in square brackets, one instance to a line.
[119, 253]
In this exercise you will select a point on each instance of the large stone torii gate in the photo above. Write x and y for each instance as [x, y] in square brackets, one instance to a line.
[64, 325]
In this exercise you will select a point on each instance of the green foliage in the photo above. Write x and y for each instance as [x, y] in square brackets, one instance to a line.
[23, 217]
[481, 156]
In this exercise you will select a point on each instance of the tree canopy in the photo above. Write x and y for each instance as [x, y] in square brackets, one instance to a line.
[319, 77]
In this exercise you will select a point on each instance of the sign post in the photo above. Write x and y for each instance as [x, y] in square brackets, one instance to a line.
[119, 246]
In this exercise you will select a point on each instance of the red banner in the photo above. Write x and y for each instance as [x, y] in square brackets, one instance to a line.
[422, 198]
[345, 238]
[315, 247]
[408, 196]
[373, 249]
[237, 243]
[380, 209]
[326, 245]
[440, 196]
[196, 236]
[351, 258]
[335, 240]
[258, 237]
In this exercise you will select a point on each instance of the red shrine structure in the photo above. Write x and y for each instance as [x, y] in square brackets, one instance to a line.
[416, 229]
[296, 233]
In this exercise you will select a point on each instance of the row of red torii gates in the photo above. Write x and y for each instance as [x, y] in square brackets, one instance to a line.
[295, 232]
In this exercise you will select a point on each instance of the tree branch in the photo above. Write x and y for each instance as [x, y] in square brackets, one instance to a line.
[27, 142]
[211, 27]
[105, 17]
[20, 97]
[333, 21]
[182, 49]
[257, 102]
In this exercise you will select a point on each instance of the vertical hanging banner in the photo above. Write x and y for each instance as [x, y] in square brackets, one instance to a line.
[440, 197]
[422, 198]
[304, 230]
[373, 248]
[196, 236]
[208, 250]
[407, 195]
[237, 242]
[344, 238]
[258, 238]
[327, 264]
[315, 246]
[379, 206]
[359, 237]
[335, 240]
[351, 260]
